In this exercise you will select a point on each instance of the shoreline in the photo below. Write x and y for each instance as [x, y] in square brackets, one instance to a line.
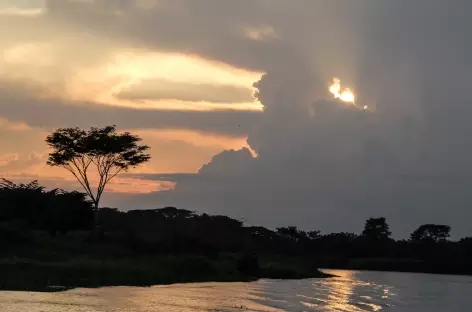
[35, 276]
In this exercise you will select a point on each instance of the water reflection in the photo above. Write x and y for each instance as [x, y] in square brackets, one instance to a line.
[192, 297]
[339, 291]
[350, 292]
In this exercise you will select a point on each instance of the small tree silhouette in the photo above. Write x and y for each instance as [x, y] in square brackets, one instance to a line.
[376, 229]
[78, 151]
[434, 233]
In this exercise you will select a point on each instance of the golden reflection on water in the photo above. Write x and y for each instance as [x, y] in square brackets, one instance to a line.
[344, 293]
[193, 297]
[348, 293]
[340, 292]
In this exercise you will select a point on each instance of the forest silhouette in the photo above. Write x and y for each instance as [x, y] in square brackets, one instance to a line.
[55, 226]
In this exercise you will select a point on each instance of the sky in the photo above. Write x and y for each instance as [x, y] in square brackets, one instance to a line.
[233, 99]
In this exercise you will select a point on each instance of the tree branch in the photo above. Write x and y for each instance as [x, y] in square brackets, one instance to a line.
[71, 170]
[85, 180]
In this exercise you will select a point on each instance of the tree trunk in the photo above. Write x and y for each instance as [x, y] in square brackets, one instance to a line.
[96, 220]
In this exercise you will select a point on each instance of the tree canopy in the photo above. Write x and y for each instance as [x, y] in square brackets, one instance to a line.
[431, 233]
[103, 149]
[376, 229]
[53, 211]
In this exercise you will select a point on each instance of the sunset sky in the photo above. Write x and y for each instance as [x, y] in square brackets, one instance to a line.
[233, 97]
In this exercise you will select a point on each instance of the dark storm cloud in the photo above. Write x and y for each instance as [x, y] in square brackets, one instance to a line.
[217, 30]
[324, 165]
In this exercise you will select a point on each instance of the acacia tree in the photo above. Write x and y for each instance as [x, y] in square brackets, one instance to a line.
[100, 149]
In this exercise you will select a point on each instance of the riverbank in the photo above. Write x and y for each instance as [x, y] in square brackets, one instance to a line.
[30, 275]
[427, 266]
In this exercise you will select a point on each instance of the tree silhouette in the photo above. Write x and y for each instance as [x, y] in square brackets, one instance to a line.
[376, 229]
[314, 235]
[53, 211]
[109, 152]
[291, 233]
[430, 233]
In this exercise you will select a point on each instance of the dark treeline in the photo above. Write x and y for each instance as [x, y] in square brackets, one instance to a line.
[28, 209]
[31, 206]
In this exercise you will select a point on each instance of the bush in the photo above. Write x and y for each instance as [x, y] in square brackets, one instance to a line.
[13, 233]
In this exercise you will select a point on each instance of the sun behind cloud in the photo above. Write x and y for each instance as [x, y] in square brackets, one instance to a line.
[345, 95]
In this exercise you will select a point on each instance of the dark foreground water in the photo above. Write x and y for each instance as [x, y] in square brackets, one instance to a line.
[352, 291]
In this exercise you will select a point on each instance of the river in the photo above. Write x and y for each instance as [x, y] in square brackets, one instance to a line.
[352, 291]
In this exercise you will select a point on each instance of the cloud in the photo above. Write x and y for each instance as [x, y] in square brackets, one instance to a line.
[266, 32]
[329, 173]
[14, 162]
[170, 149]
[322, 164]
[158, 89]
[25, 103]
[7, 125]
[42, 50]
[21, 12]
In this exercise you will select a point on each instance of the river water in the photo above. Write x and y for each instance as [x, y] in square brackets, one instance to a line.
[352, 291]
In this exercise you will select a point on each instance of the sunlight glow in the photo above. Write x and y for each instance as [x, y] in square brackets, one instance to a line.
[130, 68]
[100, 83]
[345, 95]
[22, 12]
